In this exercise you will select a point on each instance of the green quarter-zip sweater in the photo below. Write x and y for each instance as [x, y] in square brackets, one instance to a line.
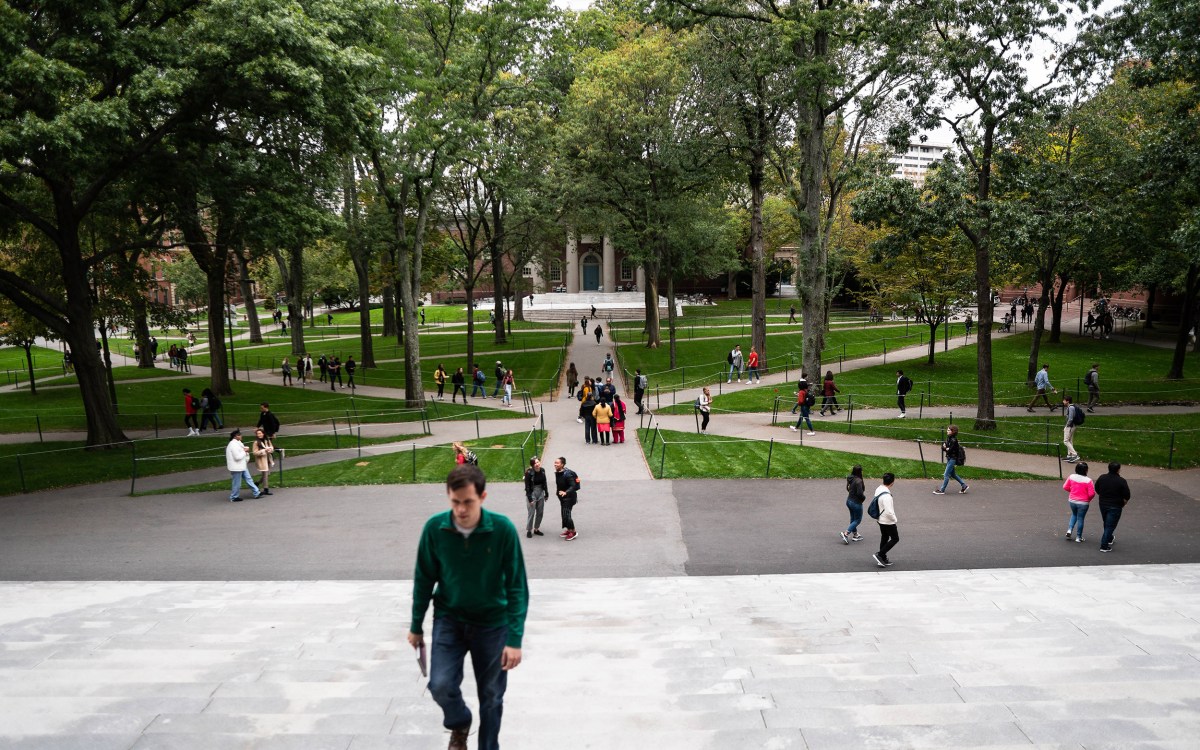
[476, 580]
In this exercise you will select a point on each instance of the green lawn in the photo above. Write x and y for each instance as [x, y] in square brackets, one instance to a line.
[145, 404]
[1143, 440]
[701, 360]
[127, 372]
[692, 456]
[64, 464]
[500, 457]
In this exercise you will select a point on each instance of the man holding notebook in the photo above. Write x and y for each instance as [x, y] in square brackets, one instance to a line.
[469, 563]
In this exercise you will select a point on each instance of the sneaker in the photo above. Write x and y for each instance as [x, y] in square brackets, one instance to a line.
[811, 433]
[887, 562]
[256, 496]
[572, 536]
[1080, 539]
[964, 489]
[565, 532]
[1106, 549]
[845, 538]
[939, 492]
[1090, 410]
[529, 535]
[857, 538]
[879, 561]
[235, 499]
[538, 533]
[902, 415]
[792, 428]
[1029, 409]
[580, 421]
[1071, 459]
[458, 738]
[1067, 535]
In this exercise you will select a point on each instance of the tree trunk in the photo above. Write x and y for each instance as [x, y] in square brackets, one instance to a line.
[932, 341]
[671, 318]
[813, 258]
[1186, 319]
[291, 270]
[218, 362]
[498, 295]
[653, 332]
[1056, 309]
[731, 285]
[758, 261]
[518, 306]
[985, 413]
[141, 331]
[1039, 327]
[408, 284]
[247, 289]
[108, 373]
[389, 309]
[470, 328]
[366, 341]
[1153, 291]
[27, 346]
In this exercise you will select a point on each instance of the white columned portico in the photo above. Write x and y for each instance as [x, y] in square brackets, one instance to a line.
[572, 262]
[610, 265]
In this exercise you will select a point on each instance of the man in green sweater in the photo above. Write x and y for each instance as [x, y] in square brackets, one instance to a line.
[469, 563]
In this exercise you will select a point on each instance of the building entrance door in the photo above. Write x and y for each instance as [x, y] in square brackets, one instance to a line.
[591, 274]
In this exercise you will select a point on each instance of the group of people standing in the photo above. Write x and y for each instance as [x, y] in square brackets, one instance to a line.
[330, 369]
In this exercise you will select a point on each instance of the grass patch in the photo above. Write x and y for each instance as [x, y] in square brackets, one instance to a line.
[1143, 440]
[499, 456]
[65, 464]
[692, 456]
[127, 372]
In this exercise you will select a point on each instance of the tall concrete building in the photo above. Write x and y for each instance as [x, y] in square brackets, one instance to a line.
[915, 162]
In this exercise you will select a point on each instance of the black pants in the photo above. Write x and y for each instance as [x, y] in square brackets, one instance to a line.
[459, 387]
[829, 402]
[638, 395]
[189, 420]
[324, 373]
[704, 420]
[442, 390]
[287, 378]
[590, 433]
[890, 538]
[900, 402]
[566, 505]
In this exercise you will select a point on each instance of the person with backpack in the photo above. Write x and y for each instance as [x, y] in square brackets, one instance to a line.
[351, 367]
[267, 420]
[856, 495]
[439, 377]
[478, 382]
[640, 382]
[566, 484]
[806, 398]
[1075, 418]
[704, 406]
[734, 359]
[536, 492]
[599, 332]
[191, 405]
[209, 404]
[829, 391]
[500, 373]
[608, 365]
[1092, 381]
[285, 368]
[904, 384]
[883, 510]
[955, 456]
[463, 455]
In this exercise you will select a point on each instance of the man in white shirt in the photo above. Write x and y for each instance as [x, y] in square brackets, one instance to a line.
[889, 534]
[236, 457]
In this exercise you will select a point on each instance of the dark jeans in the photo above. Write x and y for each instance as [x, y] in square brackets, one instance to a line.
[566, 506]
[900, 402]
[452, 641]
[855, 515]
[704, 420]
[1112, 516]
[590, 433]
[637, 399]
[804, 418]
[890, 538]
[209, 416]
[189, 420]
[459, 387]
[830, 403]
[442, 390]
[478, 389]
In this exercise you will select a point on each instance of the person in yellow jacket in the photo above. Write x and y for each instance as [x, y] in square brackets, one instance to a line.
[603, 414]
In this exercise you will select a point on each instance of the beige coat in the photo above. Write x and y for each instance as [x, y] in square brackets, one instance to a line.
[262, 456]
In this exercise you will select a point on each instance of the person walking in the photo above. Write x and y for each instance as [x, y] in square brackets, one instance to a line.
[572, 380]
[536, 492]
[620, 412]
[967, 326]
[587, 410]
[351, 367]
[306, 374]
[792, 314]
[734, 358]
[1042, 382]
[478, 382]
[459, 381]
[509, 383]
[1092, 381]
[954, 454]
[889, 531]
[904, 384]
[471, 567]
[267, 420]
[608, 365]
[1080, 491]
[829, 391]
[1074, 418]
[335, 372]
[704, 405]
[599, 332]
[285, 368]
[264, 459]
[181, 354]
[603, 414]
[236, 458]
[583, 324]
[439, 377]
[805, 399]
[566, 484]
[640, 382]
[170, 358]
[323, 363]
[1113, 491]
[464, 455]
[190, 405]
[752, 367]
[209, 404]
[856, 494]
[500, 372]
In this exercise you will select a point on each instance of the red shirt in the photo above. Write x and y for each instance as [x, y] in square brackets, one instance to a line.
[754, 359]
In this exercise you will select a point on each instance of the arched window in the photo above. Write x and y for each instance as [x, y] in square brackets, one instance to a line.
[556, 271]
[627, 269]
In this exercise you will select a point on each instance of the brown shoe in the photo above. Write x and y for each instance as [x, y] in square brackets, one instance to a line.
[458, 738]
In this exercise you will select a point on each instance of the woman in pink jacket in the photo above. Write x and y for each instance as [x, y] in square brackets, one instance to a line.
[1080, 491]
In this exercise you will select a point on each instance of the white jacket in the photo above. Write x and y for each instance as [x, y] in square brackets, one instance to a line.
[236, 456]
[887, 508]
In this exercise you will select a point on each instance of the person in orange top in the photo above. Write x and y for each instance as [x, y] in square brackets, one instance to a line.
[752, 367]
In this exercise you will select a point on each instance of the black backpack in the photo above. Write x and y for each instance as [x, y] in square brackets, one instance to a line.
[195, 403]
[873, 509]
[1078, 417]
[905, 384]
[1089, 378]
[729, 358]
[472, 459]
[810, 398]
[961, 458]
